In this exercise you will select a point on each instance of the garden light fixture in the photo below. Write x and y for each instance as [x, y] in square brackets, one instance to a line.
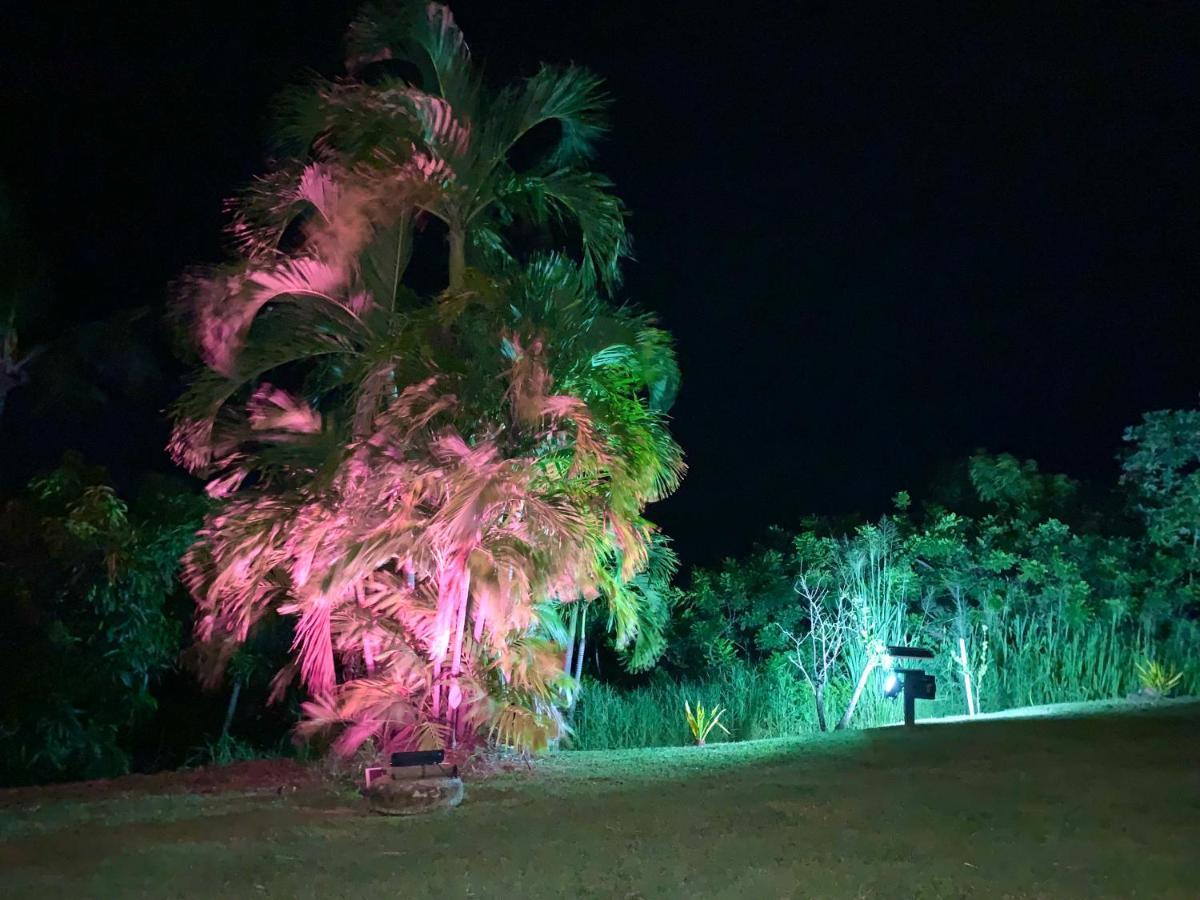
[891, 685]
[915, 683]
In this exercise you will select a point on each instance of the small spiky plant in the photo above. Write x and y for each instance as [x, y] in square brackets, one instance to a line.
[1158, 680]
[702, 721]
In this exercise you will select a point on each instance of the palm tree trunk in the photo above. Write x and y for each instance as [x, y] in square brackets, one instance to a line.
[458, 257]
[436, 704]
[570, 657]
[403, 252]
[582, 644]
[456, 664]
[232, 707]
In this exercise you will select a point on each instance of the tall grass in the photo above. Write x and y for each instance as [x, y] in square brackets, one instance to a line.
[769, 702]
[766, 702]
[1035, 660]
[1043, 659]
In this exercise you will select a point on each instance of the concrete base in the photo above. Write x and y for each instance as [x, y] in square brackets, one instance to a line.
[410, 796]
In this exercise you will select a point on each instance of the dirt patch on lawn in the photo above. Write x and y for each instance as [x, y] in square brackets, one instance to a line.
[282, 775]
[286, 776]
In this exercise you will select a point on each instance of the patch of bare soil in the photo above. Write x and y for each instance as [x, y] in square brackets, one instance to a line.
[284, 776]
[281, 775]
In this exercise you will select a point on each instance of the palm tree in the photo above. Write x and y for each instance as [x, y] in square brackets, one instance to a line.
[421, 484]
[439, 145]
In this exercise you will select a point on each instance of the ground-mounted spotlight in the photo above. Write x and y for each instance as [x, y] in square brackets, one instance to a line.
[915, 683]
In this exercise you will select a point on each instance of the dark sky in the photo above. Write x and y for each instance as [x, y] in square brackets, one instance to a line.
[883, 235]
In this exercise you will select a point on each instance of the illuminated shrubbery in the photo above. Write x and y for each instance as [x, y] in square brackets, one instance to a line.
[1051, 601]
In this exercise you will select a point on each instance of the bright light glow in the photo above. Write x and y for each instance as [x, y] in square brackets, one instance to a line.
[891, 685]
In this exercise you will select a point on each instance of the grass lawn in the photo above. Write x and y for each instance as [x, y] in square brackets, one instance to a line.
[1085, 805]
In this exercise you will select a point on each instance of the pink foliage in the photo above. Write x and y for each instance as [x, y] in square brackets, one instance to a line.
[415, 565]
[272, 409]
[412, 496]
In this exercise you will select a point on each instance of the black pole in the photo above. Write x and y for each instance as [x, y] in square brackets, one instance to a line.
[913, 679]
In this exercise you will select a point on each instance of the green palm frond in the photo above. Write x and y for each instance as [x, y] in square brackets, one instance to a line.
[568, 195]
[571, 96]
[659, 367]
[424, 34]
[299, 116]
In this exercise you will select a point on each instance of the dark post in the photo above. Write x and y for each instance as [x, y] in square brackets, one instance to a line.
[910, 698]
[917, 686]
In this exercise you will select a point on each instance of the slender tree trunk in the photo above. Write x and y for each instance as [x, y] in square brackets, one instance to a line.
[437, 692]
[966, 675]
[232, 707]
[369, 654]
[458, 257]
[819, 700]
[456, 666]
[858, 689]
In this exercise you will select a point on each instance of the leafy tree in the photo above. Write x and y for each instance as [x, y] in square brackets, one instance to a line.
[1161, 467]
[422, 483]
[817, 651]
[88, 578]
[1017, 489]
[735, 611]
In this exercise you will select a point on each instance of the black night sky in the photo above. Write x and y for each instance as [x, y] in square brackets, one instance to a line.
[884, 236]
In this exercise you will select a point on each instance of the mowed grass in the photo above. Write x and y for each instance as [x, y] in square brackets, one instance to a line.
[1085, 806]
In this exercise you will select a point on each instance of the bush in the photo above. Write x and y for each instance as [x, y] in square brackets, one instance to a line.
[88, 580]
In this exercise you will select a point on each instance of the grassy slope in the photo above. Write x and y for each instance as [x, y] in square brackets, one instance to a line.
[1106, 805]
